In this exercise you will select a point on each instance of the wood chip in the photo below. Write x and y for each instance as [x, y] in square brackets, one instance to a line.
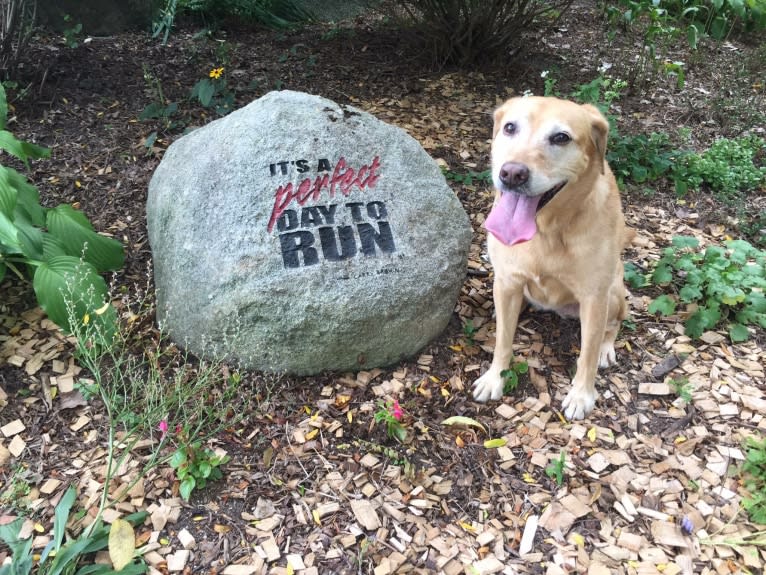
[17, 446]
[50, 486]
[365, 514]
[271, 549]
[528, 538]
[13, 428]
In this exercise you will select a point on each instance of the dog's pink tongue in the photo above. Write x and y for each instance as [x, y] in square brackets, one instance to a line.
[512, 219]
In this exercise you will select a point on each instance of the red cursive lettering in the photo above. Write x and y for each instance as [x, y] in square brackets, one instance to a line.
[344, 178]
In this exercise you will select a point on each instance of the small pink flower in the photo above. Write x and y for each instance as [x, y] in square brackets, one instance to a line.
[163, 427]
[397, 411]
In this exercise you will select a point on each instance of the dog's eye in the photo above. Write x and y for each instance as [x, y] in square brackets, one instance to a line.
[509, 129]
[560, 139]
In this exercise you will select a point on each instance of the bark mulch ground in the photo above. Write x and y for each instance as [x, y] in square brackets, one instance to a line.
[313, 484]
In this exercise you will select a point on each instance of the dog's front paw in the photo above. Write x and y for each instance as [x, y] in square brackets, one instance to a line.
[579, 402]
[488, 386]
[606, 355]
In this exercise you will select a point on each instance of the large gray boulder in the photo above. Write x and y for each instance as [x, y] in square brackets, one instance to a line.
[297, 235]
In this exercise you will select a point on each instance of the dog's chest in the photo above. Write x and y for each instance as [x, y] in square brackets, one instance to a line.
[548, 293]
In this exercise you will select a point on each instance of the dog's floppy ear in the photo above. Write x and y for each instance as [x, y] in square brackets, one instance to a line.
[599, 132]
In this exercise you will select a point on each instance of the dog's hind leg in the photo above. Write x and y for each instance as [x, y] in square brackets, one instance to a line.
[618, 311]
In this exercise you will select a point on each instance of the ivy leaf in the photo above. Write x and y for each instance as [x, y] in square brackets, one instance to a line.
[738, 332]
[685, 242]
[690, 293]
[662, 274]
[187, 486]
[664, 305]
[632, 275]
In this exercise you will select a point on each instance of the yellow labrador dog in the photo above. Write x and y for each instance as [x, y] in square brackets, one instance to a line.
[556, 235]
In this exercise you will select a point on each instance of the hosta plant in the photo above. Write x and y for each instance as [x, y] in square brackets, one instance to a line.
[56, 248]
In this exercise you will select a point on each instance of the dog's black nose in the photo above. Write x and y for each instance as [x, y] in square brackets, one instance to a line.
[514, 174]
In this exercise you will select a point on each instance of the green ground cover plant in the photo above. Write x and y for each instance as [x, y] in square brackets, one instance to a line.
[754, 474]
[511, 376]
[391, 414]
[720, 285]
[555, 469]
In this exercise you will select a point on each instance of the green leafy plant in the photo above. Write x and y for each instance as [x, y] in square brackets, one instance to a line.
[463, 32]
[633, 276]
[555, 469]
[654, 29]
[511, 375]
[164, 23]
[160, 107]
[682, 387]
[728, 168]
[602, 91]
[56, 247]
[391, 414]
[549, 80]
[276, 14]
[16, 489]
[720, 284]
[65, 553]
[754, 474]
[640, 158]
[71, 32]
[469, 331]
[140, 390]
[213, 91]
[718, 18]
[469, 177]
[195, 465]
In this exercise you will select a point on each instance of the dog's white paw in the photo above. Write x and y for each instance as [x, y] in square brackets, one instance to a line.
[606, 355]
[488, 387]
[578, 403]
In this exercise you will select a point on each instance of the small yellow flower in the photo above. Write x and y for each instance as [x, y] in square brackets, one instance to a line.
[86, 319]
[216, 73]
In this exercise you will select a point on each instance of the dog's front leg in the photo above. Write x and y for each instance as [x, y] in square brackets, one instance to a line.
[581, 398]
[508, 301]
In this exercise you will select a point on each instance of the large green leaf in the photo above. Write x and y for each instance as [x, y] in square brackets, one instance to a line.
[22, 150]
[28, 197]
[30, 237]
[3, 108]
[67, 557]
[8, 197]
[76, 234]
[52, 247]
[9, 235]
[61, 515]
[69, 289]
